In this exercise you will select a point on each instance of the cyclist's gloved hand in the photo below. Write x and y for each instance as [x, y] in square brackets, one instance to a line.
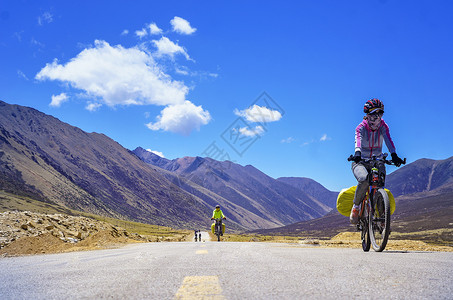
[357, 156]
[396, 160]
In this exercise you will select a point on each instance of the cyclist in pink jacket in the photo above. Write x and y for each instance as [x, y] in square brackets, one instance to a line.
[369, 137]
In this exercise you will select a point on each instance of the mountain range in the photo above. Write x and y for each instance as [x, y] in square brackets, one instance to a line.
[48, 160]
[250, 197]
[51, 161]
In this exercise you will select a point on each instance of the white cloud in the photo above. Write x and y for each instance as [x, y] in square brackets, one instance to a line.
[324, 138]
[35, 42]
[156, 152]
[181, 118]
[91, 106]
[288, 140]
[58, 100]
[45, 18]
[153, 29]
[141, 33]
[125, 32]
[167, 47]
[259, 130]
[22, 75]
[117, 76]
[182, 70]
[259, 114]
[182, 26]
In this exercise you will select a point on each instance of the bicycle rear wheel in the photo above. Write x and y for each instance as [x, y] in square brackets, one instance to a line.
[365, 235]
[218, 230]
[379, 220]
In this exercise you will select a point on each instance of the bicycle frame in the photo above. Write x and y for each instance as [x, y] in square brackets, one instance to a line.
[218, 228]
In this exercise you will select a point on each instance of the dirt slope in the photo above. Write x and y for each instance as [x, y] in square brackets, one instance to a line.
[34, 233]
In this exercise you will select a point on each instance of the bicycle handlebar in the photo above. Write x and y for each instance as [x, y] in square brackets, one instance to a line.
[375, 158]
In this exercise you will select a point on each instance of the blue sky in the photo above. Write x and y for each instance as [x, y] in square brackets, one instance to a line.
[188, 78]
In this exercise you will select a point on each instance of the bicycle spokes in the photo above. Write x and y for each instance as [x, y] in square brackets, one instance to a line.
[379, 220]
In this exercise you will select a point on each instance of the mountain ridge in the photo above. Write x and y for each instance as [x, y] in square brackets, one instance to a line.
[87, 171]
[245, 186]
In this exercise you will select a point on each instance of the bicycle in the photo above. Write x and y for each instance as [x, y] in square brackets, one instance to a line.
[218, 228]
[374, 214]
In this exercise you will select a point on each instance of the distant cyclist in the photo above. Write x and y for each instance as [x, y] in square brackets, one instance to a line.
[369, 136]
[218, 214]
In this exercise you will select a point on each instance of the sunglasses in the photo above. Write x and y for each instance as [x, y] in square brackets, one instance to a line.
[375, 116]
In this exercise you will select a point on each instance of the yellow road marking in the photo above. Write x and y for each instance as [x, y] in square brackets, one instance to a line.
[202, 252]
[200, 287]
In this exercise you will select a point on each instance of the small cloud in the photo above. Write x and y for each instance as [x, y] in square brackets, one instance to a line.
[156, 152]
[288, 140]
[45, 18]
[153, 29]
[22, 75]
[18, 35]
[307, 143]
[182, 26]
[181, 118]
[125, 32]
[259, 130]
[167, 47]
[181, 70]
[93, 106]
[141, 33]
[315, 141]
[325, 138]
[259, 114]
[35, 42]
[58, 100]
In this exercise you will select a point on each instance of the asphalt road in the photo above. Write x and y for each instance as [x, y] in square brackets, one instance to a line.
[214, 270]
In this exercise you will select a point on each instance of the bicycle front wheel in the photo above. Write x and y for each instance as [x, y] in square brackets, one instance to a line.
[379, 220]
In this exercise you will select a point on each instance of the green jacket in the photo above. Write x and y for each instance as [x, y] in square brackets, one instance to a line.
[218, 214]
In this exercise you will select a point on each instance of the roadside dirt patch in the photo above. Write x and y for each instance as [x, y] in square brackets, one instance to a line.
[23, 233]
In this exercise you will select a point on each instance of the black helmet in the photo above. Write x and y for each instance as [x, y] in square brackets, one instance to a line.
[373, 105]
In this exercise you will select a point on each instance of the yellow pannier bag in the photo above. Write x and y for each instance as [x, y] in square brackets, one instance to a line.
[345, 200]
[223, 228]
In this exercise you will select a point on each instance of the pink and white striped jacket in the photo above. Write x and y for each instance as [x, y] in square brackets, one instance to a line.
[369, 142]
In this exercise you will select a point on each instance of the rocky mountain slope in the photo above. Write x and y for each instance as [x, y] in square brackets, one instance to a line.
[247, 195]
[52, 161]
[423, 175]
[312, 188]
